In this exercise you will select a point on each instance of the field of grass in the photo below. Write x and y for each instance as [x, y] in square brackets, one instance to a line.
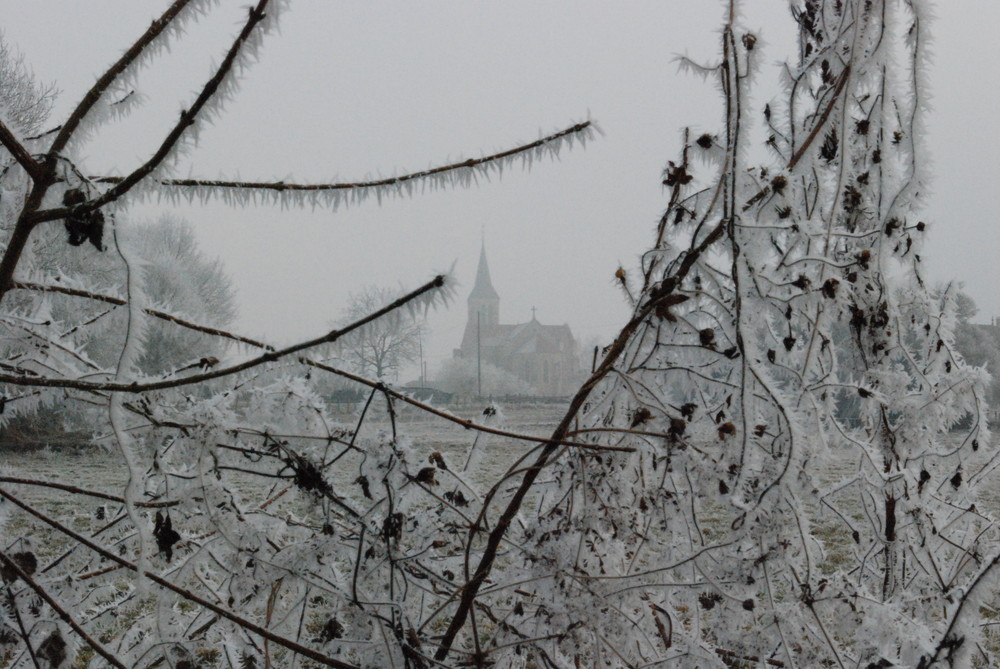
[99, 470]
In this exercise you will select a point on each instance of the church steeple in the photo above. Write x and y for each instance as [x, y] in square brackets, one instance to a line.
[483, 299]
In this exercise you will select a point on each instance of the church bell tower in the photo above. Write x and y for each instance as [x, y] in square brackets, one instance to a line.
[484, 302]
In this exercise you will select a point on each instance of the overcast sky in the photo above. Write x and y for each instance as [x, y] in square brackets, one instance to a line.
[353, 89]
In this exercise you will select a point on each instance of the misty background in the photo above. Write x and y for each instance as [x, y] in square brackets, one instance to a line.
[354, 90]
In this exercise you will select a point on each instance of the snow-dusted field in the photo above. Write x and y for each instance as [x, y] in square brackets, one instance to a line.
[99, 470]
[487, 457]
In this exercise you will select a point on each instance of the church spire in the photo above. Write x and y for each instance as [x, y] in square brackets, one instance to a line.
[484, 302]
[483, 290]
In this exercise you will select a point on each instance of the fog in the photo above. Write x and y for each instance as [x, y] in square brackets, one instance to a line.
[378, 88]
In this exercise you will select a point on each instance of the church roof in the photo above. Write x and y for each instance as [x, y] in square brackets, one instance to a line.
[530, 337]
[483, 290]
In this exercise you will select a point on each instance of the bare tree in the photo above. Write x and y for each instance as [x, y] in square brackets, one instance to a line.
[381, 349]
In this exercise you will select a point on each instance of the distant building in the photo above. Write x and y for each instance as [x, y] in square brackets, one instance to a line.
[544, 356]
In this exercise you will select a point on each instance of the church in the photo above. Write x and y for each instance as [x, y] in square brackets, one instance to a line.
[544, 356]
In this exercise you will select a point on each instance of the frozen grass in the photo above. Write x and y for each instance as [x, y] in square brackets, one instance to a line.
[99, 470]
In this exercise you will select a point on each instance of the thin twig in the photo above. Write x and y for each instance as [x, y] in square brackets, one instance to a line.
[464, 422]
[110, 299]
[82, 491]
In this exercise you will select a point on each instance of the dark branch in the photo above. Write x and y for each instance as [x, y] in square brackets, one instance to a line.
[186, 594]
[60, 611]
[281, 186]
[822, 119]
[661, 296]
[82, 491]
[101, 85]
[464, 422]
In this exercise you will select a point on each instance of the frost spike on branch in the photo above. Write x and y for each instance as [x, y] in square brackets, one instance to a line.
[584, 131]
[187, 119]
[102, 85]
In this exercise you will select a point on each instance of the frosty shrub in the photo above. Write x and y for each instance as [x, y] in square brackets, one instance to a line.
[775, 464]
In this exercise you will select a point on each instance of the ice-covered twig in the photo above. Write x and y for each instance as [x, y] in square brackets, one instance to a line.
[464, 422]
[162, 315]
[188, 118]
[244, 192]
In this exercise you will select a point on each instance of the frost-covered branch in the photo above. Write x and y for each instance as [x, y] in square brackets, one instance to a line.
[105, 81]
[334, 194]
[187, 119]
[155, 313]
